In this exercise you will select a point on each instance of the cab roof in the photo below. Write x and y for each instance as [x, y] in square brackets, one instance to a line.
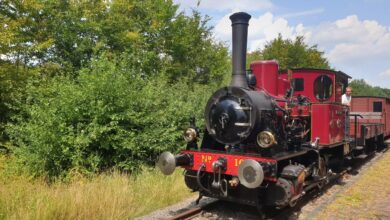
[340, 73]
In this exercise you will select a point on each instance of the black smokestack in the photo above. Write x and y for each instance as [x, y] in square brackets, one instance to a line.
[240, 22]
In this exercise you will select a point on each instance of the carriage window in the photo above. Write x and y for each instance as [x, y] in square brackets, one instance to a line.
[377, 106]
[298, 84]
[323, 87]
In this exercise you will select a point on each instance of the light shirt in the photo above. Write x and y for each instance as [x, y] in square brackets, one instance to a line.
[346, 100]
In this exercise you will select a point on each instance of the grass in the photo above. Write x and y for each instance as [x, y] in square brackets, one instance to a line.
[107, 196]
[364, 198]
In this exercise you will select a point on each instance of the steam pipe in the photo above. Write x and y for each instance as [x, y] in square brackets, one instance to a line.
[240, 22]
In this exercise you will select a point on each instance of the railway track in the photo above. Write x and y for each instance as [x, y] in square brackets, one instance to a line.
[215, 209]
[195, 212]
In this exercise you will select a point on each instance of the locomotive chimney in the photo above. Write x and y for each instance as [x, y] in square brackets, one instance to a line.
[240, 22]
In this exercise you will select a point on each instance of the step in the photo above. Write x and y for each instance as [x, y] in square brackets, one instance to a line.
[359, 147]
[361, 156]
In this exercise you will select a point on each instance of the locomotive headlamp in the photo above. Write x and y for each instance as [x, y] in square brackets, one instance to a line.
[266, 139]
[190, 134]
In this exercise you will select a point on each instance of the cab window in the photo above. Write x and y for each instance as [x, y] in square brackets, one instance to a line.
[299, 84]
[323, 87]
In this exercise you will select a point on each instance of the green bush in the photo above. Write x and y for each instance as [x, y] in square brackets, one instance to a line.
[107, 117]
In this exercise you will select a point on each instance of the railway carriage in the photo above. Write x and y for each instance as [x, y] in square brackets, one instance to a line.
[272, 135]
[370, 120]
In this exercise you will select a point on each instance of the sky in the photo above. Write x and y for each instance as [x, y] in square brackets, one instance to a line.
[353, 34]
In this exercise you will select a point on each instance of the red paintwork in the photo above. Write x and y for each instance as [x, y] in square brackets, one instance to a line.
[300, 111]
[267, 73]
[328, 120]
[364, 106]
[328, 123]
[233, 162]
[387, 126]
[373, 130]
[283, 85]
[327, 116]
[338, 93]
[268, 78]
[309, 76]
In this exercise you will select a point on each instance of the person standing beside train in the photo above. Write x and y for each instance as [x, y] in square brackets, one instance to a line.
[346, 98]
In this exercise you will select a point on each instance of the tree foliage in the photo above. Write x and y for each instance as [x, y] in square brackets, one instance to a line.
[109, 116]
[253, 56]
[67, 34]
[46, 38]
[362, 88]
[291, 54]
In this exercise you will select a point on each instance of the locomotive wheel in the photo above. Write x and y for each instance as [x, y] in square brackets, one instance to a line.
[293, 203]
[336, 164]
[322, 172]
[260, 210]
[322, 167]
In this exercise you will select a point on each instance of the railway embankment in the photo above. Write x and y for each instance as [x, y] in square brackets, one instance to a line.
[105, 196]
[367, 198]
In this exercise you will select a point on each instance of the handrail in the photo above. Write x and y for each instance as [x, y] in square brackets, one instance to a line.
[355, 124]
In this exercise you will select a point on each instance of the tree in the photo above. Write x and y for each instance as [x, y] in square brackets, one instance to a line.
[105, 83]
[293, 54]
[193, 52]
[67, 34]
[362, 88]
[51, 38]
[253, 56]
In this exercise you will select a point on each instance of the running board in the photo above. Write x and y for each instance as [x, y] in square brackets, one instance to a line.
[362, 156]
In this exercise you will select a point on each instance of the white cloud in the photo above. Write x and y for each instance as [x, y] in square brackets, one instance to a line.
[261, 30]
[344, 40]
[350, 39]
[303, 13]
[385, 74]
[223, 5]
[357, 47]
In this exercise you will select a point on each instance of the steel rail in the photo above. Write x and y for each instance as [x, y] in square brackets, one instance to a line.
[194, 212]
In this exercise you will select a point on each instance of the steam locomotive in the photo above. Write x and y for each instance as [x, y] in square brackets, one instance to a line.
[273, 134]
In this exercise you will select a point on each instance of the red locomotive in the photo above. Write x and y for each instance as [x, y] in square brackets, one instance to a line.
[272, 135]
